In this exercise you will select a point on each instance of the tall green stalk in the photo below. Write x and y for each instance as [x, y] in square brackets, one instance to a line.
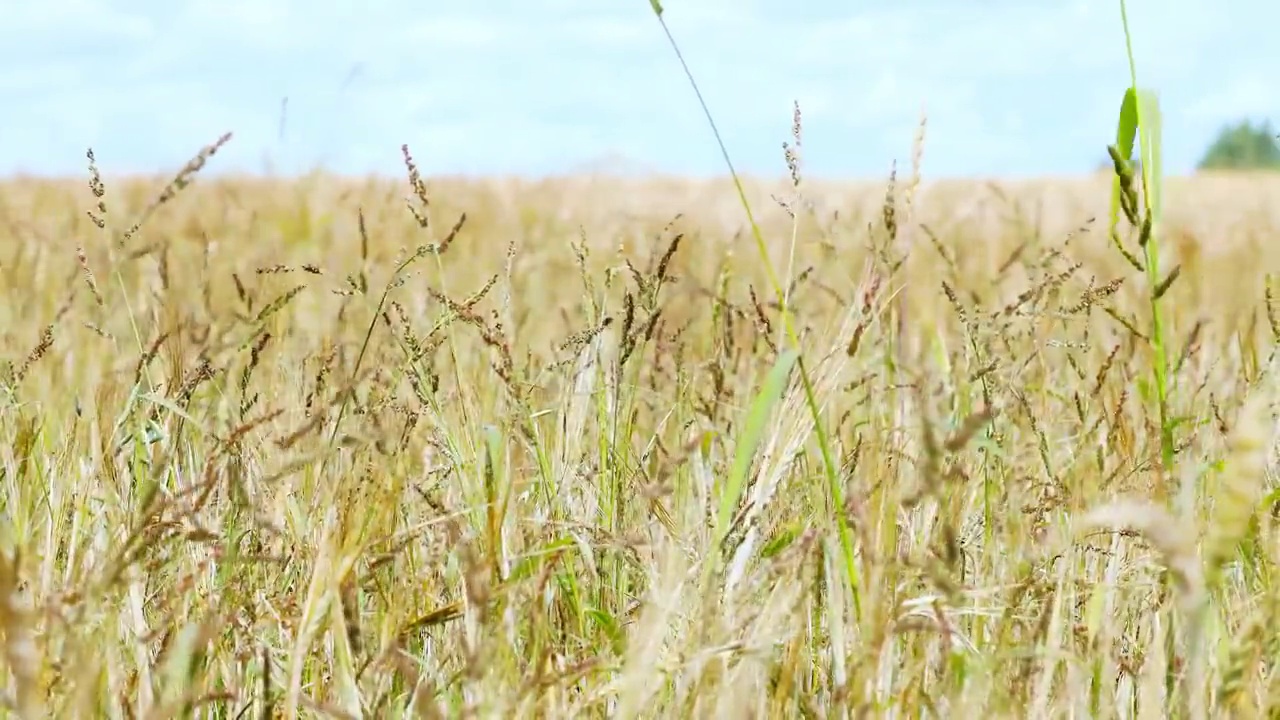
[830, 472]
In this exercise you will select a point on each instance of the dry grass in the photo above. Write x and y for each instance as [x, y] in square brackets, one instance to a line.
[293, 449]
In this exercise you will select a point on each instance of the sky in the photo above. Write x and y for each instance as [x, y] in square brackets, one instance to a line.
[537, 87]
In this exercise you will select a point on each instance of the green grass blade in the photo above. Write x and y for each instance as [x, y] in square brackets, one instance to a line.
[831, 473]
[1150, 124]
[1126, 134]
[748, 442]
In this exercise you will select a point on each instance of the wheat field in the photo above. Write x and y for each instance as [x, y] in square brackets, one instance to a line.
[433, 447]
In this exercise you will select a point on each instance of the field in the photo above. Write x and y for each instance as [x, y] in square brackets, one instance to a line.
[287, 450]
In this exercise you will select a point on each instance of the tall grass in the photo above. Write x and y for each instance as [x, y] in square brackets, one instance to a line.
[558, 449]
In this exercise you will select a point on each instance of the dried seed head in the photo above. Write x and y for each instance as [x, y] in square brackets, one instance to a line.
[99, 190]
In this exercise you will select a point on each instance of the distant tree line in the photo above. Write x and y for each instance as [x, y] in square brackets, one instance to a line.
[1244, 145]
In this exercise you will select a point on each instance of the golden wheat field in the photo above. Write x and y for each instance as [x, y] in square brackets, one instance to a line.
[421, 447]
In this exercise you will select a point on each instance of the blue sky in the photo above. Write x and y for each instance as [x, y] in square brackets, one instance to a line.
[546, 86]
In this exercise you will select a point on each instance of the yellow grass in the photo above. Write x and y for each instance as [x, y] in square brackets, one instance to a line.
[238, 482]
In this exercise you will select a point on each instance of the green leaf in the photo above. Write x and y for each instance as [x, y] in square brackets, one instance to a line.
[1149, 127]
[609, 624]
[657, 7]
[1126, 132]
[527, 566]
[1127, 125]
[757, 419]
[781, 541]
[1144, 389]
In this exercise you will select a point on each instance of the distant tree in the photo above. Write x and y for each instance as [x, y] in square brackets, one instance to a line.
[1243, 146]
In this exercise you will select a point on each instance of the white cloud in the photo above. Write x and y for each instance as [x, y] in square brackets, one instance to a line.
[1251, 95]
[542, 85]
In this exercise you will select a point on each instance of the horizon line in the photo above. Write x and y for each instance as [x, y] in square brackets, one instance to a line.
[652, 176]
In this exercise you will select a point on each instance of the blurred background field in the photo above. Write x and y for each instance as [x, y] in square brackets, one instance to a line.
[1221, 223]
[262, 458]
